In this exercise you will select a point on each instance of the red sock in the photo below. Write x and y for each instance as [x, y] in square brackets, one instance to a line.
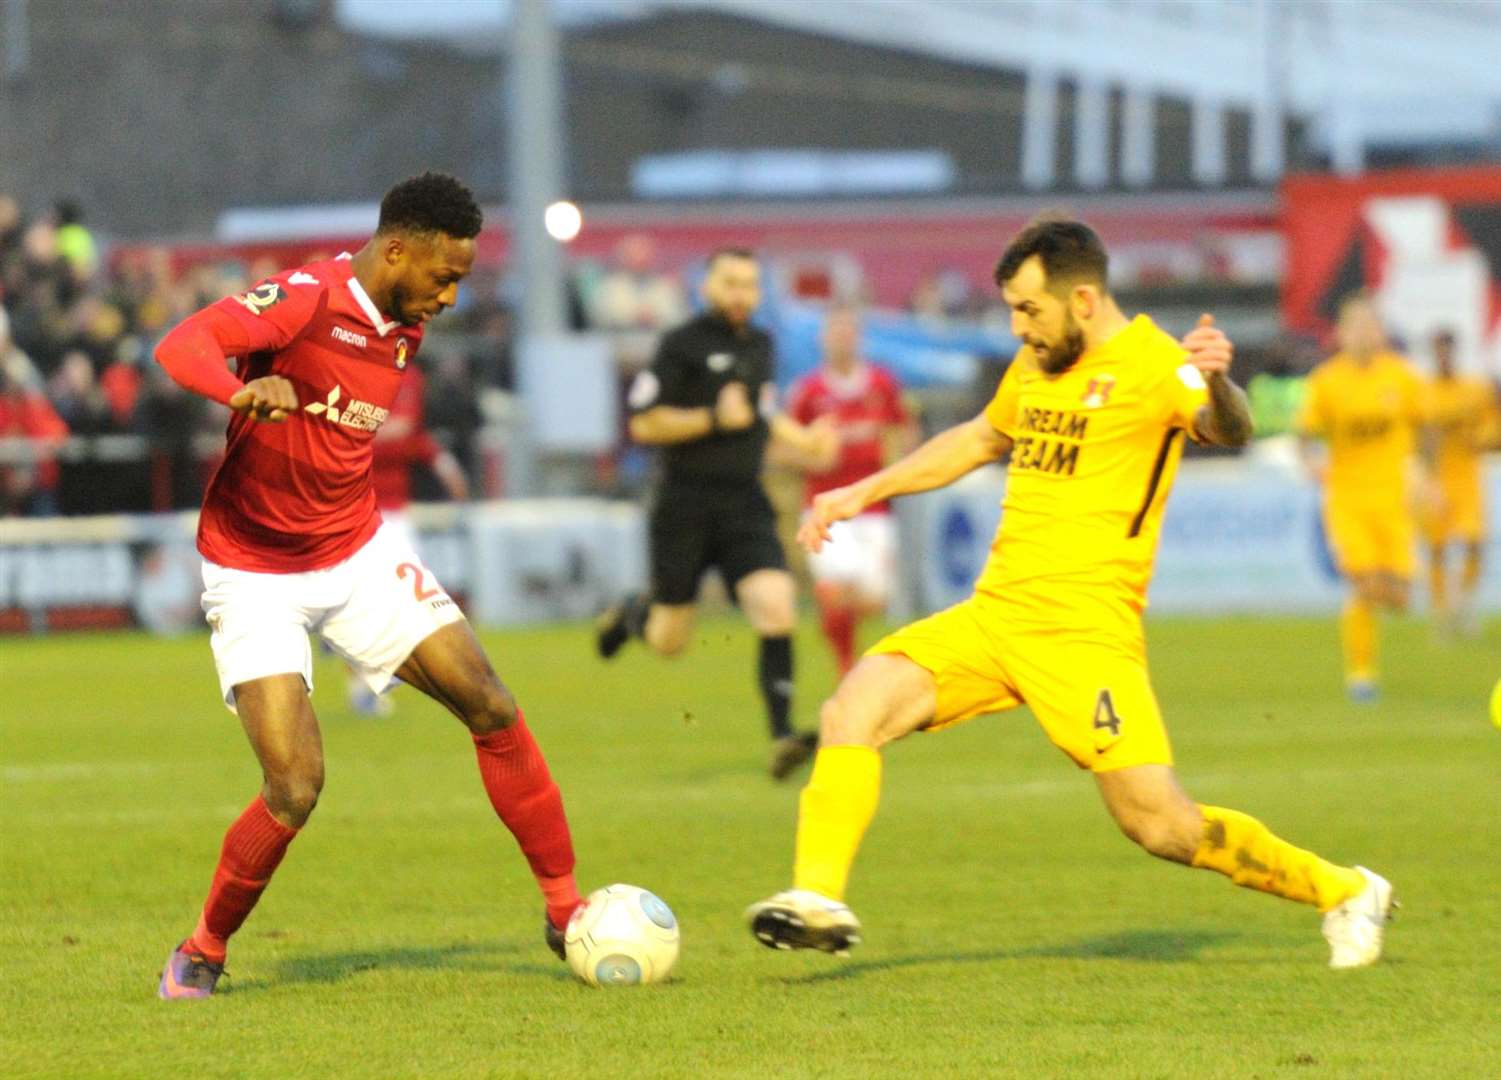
[253, 848]
[839, 627]
[528, 801]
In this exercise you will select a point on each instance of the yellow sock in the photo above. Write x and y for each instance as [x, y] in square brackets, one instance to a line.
[1249, 854]
[833, 813]
[1357, 625]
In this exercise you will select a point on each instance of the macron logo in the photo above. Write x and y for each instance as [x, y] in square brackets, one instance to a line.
[349, 337]
[300, 278]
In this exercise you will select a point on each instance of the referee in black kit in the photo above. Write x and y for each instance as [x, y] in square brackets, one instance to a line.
[707, 400]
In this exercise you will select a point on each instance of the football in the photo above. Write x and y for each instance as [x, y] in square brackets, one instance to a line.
[622, 936]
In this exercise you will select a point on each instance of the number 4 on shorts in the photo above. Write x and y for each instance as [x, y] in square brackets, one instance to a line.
[1104, 714]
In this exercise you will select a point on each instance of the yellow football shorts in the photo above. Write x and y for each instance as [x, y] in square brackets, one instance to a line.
[1370, 539]
[1462, 515]
[1090, 692]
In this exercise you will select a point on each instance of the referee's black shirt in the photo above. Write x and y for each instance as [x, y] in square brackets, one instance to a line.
[693, 362]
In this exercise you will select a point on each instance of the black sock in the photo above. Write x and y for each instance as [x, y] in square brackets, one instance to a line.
[637, 608]
[774, 670]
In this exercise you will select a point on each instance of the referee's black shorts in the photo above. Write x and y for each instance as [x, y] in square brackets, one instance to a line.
[694, 527]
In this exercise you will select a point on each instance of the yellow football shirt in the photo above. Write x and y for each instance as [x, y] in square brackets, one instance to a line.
[1462, 412]
[1095, 452]
[1368, 414]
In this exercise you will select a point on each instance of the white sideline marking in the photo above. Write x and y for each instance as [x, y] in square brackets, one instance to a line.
[76, 770]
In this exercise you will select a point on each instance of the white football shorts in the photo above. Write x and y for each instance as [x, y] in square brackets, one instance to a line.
[861, 552]
[372, 609]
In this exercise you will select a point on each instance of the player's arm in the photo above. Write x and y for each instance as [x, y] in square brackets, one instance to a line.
[196, 355]
[451, 475]
[659, 419]
[812, 447]
[938, 462]
[1226, 419]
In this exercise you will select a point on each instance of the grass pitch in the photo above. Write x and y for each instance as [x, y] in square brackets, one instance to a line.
[1010, 930]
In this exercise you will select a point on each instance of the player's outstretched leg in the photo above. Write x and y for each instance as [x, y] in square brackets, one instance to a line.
[1153, 810]
[283, 731]
[883, 698]
[451, 668]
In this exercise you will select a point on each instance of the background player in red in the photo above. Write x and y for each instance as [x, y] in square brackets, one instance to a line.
[852, 578]
[400, 443]
[292, 542]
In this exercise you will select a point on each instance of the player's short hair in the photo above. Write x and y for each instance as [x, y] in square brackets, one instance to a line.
[730, 251]
[1070, 252]
[431, 203]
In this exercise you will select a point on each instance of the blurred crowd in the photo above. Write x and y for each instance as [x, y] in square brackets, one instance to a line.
[90, 424]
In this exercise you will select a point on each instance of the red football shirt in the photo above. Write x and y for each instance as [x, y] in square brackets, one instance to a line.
[863, 404]
[297, 495]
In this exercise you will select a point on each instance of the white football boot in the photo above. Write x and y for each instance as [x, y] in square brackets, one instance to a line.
[801, 919]
[1354, 928]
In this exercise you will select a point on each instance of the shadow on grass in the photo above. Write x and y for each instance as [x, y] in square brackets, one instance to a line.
[336, 967]
[1150, 946]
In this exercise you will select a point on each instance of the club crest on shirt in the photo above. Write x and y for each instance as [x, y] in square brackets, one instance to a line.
[265, 295]
[401, 353]
[1097, 393]
[720, 361]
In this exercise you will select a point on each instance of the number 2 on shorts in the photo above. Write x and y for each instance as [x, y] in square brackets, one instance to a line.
[427, 594]
[1104, 714]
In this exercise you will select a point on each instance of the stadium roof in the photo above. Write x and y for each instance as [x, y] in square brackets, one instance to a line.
[1398, 70]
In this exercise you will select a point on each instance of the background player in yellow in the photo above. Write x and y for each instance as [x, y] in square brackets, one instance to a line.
[1365, 403]
[1463, 420]
[1092, 413]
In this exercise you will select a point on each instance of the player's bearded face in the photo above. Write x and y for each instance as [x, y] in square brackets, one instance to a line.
[733, 288]
[1060, 353]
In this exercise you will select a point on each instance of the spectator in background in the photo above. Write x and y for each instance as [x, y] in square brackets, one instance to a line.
[943, 296]
[170, 418]
[29, 484]
[633, 294]
[77, 397]
[121, 381]
[1276, 391]
[451, 401]
[74, 241]
[10, 234]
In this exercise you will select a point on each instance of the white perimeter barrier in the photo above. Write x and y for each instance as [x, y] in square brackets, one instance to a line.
[516, 562]
[1238, 538]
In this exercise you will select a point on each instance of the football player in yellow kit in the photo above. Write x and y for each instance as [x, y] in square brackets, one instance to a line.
[1366, 404]
[1092, 413]
[1462, 417]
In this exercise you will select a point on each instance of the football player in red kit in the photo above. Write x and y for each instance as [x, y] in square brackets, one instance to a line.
[852, 578]
[293, 542]
[401, 442]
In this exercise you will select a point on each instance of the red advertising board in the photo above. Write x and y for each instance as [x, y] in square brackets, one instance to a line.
[1427, 243]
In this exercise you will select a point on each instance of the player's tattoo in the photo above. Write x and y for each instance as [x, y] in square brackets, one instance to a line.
[1226, 420]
